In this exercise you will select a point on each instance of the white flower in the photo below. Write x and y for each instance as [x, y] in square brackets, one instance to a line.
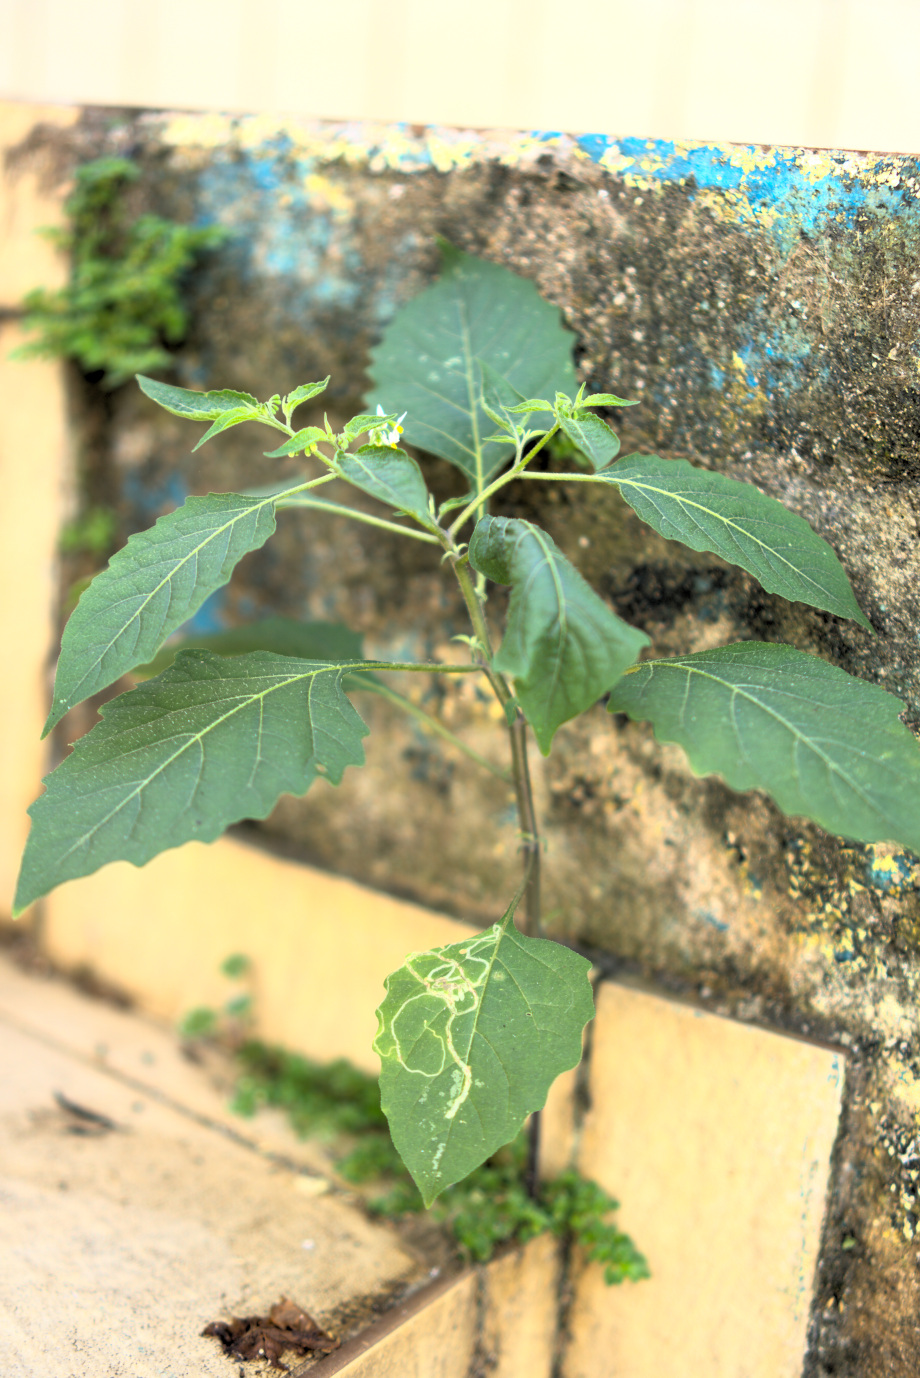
[387, 435]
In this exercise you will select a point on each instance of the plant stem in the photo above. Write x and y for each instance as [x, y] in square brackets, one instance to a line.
[527, 815]
[430, 724]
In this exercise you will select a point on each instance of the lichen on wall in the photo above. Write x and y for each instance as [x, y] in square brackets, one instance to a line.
[764, 306]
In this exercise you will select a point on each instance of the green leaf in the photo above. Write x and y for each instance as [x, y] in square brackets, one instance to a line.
[389, 474]
[563, 646]
[195, 406]
[605, 399]
[282, 636]
[302, 394]
[209, 742]
[821, 743]
[471, 1037]
[232, 418]
[498, 396]
[303, 440]
[736, 521]
[426, 362]
[153, 585]
[367, 421]
[592, 436]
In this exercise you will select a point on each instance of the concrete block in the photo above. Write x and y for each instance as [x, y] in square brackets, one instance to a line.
[716, 1136]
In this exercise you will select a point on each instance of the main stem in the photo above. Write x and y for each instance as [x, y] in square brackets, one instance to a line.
[527, 814]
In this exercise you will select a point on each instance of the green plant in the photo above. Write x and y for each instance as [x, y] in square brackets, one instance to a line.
[472, 1034]
[123, 302]
[491, 1206]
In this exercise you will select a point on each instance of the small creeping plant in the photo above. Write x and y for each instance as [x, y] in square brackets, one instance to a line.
[470, 1035]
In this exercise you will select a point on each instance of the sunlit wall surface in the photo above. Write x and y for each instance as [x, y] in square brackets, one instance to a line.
[826, 73]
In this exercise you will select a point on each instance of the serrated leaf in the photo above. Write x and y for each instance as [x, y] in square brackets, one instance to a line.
[285, 636]
[150, 587]
[302, 394]
[209, 742]
[235, 417]
[822, 744]
[592, 436]
[735, 520]
[471, 1037]
[194, 406]
[303, 440]
[426, 362]
[367, 421]
[389, 474]
[605, 399]
[563, 646]
[498, 395]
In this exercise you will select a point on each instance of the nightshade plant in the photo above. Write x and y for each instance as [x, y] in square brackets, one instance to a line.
[470, 1035]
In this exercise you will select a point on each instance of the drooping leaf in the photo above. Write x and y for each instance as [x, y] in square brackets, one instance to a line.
[592, 436]
[209, 742]
[195, 406]
[227, 419]
[822, 744]
[736, 521]
[426, 362]
[563, 646]
[310, 435]
[150, 587]
[471, 1037]
[498, 395]
[389, 474]
[283, 636]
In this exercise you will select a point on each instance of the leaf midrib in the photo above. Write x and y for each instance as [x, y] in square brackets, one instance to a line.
[727, 521]
[196, 739]
[167, 579]
[800, 738]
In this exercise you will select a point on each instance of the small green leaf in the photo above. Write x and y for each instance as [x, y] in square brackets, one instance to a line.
[302, 394]
[563, 646]
[232, 418]
[471, 1037]
[498, 396]
[822, 744]
[151, 586]
[592, 436]
[426, 361]
[302, 441]
[605, 399]
[360, 425]
[195, 406]
[209, 742]
[389, 474]
[735, 520]
[532, 404]
[283, 636]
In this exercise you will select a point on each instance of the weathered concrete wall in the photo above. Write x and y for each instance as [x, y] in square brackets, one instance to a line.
[765, 306]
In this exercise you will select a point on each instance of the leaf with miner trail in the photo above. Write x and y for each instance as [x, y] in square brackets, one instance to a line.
[563, 646]
[387, 473]
[471, 1037]
[426, 363]
[821, 743]
[737, 521]
[209, 742]
[150, 587]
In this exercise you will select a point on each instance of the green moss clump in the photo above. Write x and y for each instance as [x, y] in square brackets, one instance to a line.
[123, 304]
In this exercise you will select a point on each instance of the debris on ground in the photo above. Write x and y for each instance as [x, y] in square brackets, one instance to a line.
[267, 1337]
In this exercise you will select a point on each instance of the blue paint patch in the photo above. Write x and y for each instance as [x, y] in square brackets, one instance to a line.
[711, 919]
[783, 184]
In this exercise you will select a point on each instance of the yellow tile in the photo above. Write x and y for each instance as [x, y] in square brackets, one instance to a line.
[34, 470]
[433, 1338]
[716, 1137]
[518, 1311]
[321, 945]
